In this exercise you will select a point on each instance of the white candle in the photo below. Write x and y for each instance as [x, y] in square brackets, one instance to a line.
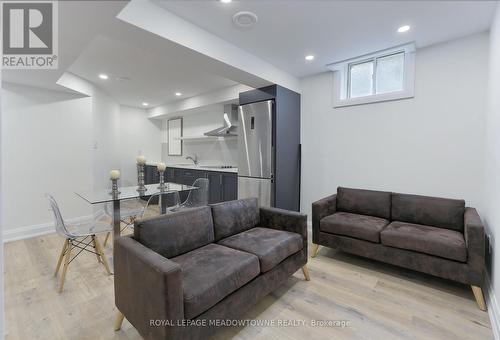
[141, 160]
[114, 174]
[161, 166]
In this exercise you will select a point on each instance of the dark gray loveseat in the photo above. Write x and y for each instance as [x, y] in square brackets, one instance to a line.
[182, 272]
[437, 236]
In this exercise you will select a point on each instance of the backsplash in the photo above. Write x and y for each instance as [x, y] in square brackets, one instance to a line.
[221, 151]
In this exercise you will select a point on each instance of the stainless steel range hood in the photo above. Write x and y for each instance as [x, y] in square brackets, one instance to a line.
[230, 119]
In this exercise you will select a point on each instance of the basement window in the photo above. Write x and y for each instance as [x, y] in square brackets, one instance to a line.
[381, 76]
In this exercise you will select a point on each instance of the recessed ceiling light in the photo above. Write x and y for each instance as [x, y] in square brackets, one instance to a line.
[145, 104]
[103, 76]
[225, 1]
[403, 29]
[178, 94]
[309, 57]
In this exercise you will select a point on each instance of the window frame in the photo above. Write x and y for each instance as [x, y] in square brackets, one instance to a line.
[349, 81]
[341, 75]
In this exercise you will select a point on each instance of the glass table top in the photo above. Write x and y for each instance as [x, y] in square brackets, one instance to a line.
[130, 192]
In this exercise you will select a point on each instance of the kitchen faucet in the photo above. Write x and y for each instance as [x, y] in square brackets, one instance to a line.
[195, 159]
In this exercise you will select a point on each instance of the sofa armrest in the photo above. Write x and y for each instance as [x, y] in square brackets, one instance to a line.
[148, 287]
[474, 239]
[320, 209]
[286, 220]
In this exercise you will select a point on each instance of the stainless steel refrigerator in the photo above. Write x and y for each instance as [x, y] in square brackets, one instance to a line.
[256, 152]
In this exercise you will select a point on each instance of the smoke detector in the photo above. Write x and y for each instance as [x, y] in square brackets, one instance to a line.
[245, 19]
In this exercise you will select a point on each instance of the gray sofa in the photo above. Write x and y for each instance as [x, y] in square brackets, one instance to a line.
[182, 272]
[437, 236]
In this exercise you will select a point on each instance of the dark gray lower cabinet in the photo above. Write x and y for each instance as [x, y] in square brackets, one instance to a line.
[214, 187]
[223, 186]
[151, 175]
[229, 187]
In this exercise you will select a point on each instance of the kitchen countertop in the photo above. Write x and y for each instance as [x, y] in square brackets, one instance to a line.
[204, 167]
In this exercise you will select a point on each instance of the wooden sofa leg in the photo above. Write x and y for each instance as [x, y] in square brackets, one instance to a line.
[305, 271]
[315, 249]
[478, 294]
[119, 320]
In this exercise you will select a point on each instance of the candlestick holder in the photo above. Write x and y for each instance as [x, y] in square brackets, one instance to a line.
[114, 188]
[162, 185]
[140, 178]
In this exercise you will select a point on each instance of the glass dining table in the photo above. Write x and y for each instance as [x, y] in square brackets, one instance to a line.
[102, 197]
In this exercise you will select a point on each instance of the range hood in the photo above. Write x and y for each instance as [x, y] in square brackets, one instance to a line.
[228, 128]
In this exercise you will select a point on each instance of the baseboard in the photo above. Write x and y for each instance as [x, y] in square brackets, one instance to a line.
[493, 310]
[30, 231]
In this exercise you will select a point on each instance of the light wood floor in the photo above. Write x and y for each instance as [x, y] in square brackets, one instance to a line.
[379, 301]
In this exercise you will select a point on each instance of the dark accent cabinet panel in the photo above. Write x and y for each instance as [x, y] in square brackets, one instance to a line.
[229, 187]
[170, 175]
[151, 175]
[214, 187]
[222, 186]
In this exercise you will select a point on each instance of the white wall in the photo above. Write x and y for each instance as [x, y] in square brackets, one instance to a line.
[222, 151]
[106, 134]
[432, 144]
[138, 134]
[119, 133]
[45, 138]
[491, 211]
[61, 143]
[2, 307]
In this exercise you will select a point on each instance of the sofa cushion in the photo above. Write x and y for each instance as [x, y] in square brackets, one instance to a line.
[234, 217]
[364, 202]
[441, 242]
[212, 272]
[354, 225]
[176, 233]
[433, 211]
[269, 245]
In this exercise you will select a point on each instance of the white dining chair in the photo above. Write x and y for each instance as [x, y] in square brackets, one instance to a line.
[79, 237]
[198, 196]
[130, 210]
[161, 203]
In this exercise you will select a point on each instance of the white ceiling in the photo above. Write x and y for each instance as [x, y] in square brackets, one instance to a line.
[75, 32]
[93, 41]
[333, 30]
[146, 76]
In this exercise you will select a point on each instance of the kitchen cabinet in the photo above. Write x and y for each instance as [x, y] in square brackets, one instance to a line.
[229, 187]
[223, 186]
[214, 187]
[151, 175]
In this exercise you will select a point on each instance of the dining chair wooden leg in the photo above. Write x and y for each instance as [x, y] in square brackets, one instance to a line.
[102, 255]
[61, 256]
[95, 248]
[305, 271]
[67, 258]
[106, 239]
[119, 320]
